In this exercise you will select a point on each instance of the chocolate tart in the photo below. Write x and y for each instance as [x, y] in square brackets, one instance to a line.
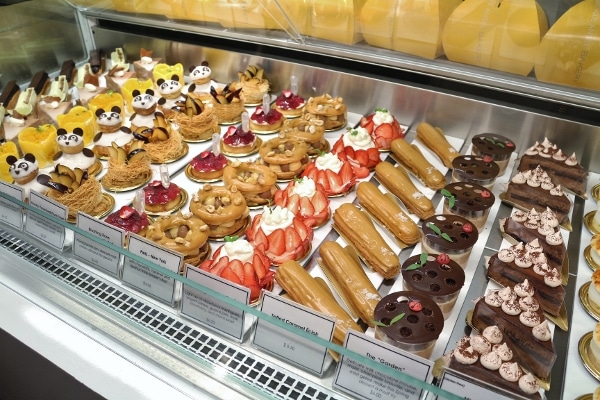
[480, 170]
[498, 147]
[468, 200]
[450, 234]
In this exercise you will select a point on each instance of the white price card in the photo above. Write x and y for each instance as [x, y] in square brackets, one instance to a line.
[93, 252]
[364, 382]
[148, 279]
[454, 382]
[42, 228]
[287, 345]
[211, 312]
[11, 213]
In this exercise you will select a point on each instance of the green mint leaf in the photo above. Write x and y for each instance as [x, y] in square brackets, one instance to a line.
[377, 323]
[446, 237]
[231, 238]
[396, 319]
[434, 228]
[449, 196]
[423, 258]
[413, 267]
[381, 109]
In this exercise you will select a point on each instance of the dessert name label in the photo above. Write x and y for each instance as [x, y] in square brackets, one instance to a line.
[42, 228]
[364, 382]
[148, 279]
[468, 389]
[287, 345]
[210, 311]
[10, 212]
[95, 253]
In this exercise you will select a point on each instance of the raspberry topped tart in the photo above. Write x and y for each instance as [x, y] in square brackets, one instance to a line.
[332, 173]
[356, 146]
[239, 142]
[207, 166]
[265, 120]
[281, 234]
[383, 128]
[289, 104]
[129, 219]
[240, 262]
[159, 198]
[306, 199]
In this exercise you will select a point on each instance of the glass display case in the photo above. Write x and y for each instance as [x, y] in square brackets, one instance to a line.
[514, 77]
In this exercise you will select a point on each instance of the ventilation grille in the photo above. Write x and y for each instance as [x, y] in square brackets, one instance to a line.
[261, 374]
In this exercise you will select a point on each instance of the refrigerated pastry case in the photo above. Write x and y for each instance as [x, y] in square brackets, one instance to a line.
[463, 100]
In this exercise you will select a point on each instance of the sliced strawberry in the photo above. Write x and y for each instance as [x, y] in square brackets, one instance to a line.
[260, 264]
[228, 274]
[292, 240]
[323, 181]
[374, 158]
[276, 242]
[238, 268]
[361, 157]
[219, 266]
[254, 227]
[347, 175]
[338, 147]
[306, 207]
[368, 124]
[250, 277]
[260, 239]
[361, 172]
[385, 131]
[293, 203]
[304, 232]
[320, 201]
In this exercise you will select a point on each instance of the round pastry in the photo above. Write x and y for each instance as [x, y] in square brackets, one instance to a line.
[253, 84]
[356, 146]
[281, 234]
[310, 131]
[158, 198]
[208, 166]
[256, 182]
[183, 233]
[239, 261]
[468, 200]
[335, 175]
[267, 122]
[305, 199]
[285, 156]
[223, 209]
[383, 128]
[236, 141]
[128, 167]
[450, 234]
[128, 219]
[331, 110]
[289, 104]
[435, 275]
[500, 148]
[409, 320]
[480, 170]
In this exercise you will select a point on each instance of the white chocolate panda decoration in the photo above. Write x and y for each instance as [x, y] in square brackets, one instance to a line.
[169, 91]
[144, 106]
[201, 77]
[112, 130]
[24, 172]
[72, 152]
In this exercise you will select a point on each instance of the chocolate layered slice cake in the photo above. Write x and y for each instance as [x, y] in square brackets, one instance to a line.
[534, 188]
[527, 262]
[518, 315]
[489, 359]
[563, 169]
[528, 226]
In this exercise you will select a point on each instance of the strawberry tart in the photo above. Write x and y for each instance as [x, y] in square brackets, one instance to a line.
[289, 104]
[383, 127]
[160, 198]
[240, 262]
[129, 219]
[239, 142]
[281, 234]
[306, 199]
[331, 172]
[207, 166]
[357, 147]
[266, 120]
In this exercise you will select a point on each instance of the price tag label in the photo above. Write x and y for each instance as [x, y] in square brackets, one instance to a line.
[42, 228]
[11, 213]
[91, 251]
[364, 382]
[456, 383]
[211, 312]
[147, 279]
[287, 345]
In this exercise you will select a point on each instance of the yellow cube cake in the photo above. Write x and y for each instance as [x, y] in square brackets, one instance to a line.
[7, 149]
[79, 117]
[107, 101]
[39, 141]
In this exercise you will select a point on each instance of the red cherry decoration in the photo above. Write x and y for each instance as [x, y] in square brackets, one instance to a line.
[487, 159]
[485, 194]
[467, 228]
[415, 305]
[443, 258]
[510, 144]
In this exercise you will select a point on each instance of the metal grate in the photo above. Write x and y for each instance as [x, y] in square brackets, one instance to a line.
[257, 372]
